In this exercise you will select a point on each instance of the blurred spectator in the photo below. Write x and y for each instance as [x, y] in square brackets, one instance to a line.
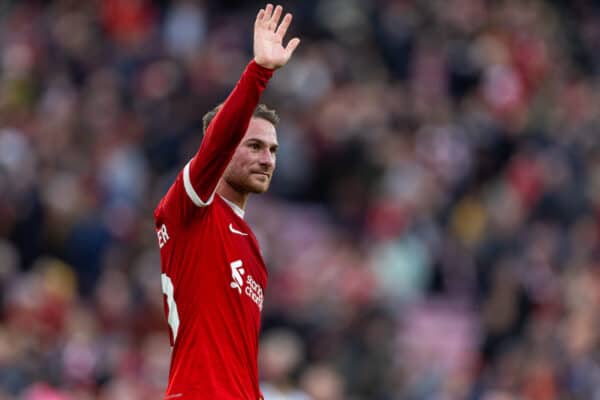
[321, 382]
[281, 353]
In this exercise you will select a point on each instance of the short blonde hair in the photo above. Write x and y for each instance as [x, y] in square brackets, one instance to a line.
[261, 111]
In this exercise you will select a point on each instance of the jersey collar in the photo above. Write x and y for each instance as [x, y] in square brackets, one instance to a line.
[236, 209]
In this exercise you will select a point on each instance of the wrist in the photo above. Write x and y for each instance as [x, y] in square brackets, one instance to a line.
[263, 65]
[259, 71]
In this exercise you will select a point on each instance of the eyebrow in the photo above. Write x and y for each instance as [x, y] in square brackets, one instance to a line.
[263, 143]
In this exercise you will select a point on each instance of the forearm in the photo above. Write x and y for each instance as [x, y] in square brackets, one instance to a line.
[226, 130]
[230, 123]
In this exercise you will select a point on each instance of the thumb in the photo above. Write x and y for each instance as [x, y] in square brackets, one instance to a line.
[291, 47]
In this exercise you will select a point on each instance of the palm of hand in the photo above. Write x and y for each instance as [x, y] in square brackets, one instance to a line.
[268, 38]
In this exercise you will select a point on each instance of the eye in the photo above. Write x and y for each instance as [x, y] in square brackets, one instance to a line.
[254, 146]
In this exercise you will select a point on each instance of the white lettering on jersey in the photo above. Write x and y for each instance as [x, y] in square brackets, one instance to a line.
[162, 235]
[254, 291]
[236, 274]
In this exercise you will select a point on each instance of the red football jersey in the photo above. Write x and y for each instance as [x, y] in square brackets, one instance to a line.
[213, 275]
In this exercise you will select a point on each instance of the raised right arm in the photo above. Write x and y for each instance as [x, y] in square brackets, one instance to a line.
[196, 184]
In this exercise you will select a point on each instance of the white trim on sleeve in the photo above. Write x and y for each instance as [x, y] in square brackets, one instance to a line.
[189, 189]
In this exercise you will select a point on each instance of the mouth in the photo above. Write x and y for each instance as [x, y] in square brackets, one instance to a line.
[262, 173]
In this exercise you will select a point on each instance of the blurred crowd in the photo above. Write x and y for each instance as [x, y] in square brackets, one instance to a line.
[432, 231]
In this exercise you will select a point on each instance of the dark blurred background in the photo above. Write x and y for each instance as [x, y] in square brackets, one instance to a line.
[432, 231]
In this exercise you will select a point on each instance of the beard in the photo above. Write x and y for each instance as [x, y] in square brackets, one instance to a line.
[247, 183]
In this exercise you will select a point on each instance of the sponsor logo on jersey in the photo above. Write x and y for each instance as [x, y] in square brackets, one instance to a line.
[251, 288]
[237, 273]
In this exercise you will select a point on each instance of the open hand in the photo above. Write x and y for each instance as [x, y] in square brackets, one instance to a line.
[268, 38]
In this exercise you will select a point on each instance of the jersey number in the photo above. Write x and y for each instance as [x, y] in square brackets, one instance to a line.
[173, 317]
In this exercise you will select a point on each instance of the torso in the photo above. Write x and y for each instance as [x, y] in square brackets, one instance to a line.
[218, 278]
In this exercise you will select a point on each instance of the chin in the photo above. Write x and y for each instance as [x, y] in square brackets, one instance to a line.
[258, 186]
[258, 189]
[252, 187]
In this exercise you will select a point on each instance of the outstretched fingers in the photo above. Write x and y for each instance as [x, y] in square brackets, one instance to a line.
[275, 18]
[268, 12]
[264, 16]
[270, 29]
[291, 46]
[259, 16]
[283, 27]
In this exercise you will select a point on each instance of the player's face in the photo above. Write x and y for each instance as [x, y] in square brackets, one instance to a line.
[252, 165]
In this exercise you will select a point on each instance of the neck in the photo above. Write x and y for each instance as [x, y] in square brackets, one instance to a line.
[236, 197]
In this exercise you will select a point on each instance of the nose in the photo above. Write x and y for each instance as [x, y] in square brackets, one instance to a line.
[267, 159]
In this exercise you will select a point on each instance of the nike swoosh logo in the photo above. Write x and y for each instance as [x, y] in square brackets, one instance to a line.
[233, 230]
